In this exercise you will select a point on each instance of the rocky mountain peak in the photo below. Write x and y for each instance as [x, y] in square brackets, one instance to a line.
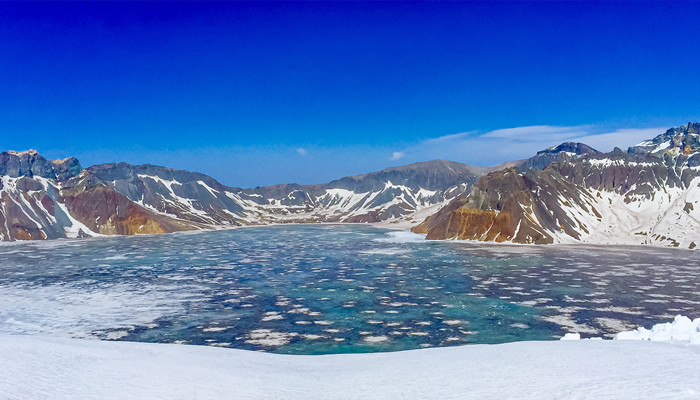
[693, 128]
[30, 163]
[573, 148]
[66, 168]
[683, 140]
[545, 157]
[25, 163]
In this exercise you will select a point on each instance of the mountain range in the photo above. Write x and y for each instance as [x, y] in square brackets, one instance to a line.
[648, 194]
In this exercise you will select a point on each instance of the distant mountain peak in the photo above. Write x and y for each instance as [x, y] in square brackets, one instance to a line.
[545, 157]
[30, 163]
[571, 148]
[683, 140]
[30, 152]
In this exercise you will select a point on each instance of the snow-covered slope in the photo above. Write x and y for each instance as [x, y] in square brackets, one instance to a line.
[647, 195]
[35, 367]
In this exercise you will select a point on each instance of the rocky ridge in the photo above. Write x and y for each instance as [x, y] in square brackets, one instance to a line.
[42, 199]
[569, 193]
[647, 195]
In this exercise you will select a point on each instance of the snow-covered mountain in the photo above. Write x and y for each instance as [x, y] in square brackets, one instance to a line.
[390, 194]
[567, 193]
[42, 199]
[647, 195]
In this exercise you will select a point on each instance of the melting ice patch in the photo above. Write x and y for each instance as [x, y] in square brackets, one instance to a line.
[388, 251]
[268, 337]
[116, 257]
[401, 237]
[97, 312]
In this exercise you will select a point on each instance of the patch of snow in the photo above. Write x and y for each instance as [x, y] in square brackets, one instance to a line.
[662, 146]
[212, 191]
[682, 329]
[661, 219]
[571, 336]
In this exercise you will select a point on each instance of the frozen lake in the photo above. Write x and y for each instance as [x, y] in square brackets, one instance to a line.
[311, 289]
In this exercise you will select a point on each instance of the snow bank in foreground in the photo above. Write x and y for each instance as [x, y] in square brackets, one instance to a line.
[682, 329]
[35, 367]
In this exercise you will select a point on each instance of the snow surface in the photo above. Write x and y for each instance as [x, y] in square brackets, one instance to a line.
[682, 329]
[36, 367]
[656, 363]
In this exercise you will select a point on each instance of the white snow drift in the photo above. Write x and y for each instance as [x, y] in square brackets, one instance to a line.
[33, 367]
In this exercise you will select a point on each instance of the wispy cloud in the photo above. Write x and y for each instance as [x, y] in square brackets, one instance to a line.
[302, 151]
[541, 132]
[620, 138]
[450, 138]
[494, 147]
[397, 155]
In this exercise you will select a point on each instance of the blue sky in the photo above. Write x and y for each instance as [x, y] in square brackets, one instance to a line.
[263, 93]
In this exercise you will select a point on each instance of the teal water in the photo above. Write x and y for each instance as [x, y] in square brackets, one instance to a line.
[311, 289]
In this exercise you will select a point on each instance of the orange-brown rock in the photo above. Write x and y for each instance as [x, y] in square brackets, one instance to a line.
[484, 224]
[438, 226]
[104, 210]
[505, 206]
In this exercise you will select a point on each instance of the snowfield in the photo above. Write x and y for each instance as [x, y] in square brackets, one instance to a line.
[39, 367]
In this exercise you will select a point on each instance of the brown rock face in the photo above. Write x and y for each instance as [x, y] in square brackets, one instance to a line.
[509, 206]
[484, 224]
[370, 217]
[15, 224]
[104, 210]
[137, 222]
[437, 225]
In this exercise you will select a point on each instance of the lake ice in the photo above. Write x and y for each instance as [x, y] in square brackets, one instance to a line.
[314, 289]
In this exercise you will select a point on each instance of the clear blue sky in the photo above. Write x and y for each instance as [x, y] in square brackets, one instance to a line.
[262, 93]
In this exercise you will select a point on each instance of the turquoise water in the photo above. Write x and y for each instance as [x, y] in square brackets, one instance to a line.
[310, 289]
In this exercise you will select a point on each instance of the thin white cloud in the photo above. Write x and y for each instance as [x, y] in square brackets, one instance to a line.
[622, 138]
[397, 155]
[449, 138]
[509, 144]
[546, 132]
[302, 151]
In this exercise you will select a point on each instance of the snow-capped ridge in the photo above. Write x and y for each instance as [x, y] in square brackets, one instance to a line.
[564, 194]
